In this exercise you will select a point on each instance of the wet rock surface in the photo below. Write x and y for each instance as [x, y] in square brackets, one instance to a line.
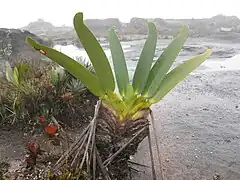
[205, 144]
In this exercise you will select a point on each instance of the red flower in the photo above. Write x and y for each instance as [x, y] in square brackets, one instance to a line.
[42, 119]
[33, 147]
[51, 129]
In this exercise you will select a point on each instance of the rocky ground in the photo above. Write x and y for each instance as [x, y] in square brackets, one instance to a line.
[198, 127]
[198, 123]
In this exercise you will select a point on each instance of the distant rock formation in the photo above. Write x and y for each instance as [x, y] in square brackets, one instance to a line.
[100, 27]
[65, 35]
[139, 26]
[209, 27]
[47, 30]
[39, 27]
[136, 26]
[225, 21]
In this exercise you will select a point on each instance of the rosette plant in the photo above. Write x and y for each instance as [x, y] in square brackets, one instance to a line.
[125, 106]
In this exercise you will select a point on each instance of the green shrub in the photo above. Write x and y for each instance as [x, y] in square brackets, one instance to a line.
[27, 93]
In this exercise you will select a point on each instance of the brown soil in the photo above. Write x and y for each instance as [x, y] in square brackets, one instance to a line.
[14, 138]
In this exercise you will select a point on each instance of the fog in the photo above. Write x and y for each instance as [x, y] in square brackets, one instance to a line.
[15, 14]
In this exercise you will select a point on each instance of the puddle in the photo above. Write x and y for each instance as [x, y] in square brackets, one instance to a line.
[227, 65]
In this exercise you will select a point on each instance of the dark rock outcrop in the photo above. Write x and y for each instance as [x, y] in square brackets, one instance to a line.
[13, 46]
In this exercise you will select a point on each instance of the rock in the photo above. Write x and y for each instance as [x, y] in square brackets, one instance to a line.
[13, 46]
[219, 26]
[160, 23]
[39, 27]
[100, 27]
[62, 35]
[225, 21]
[216, 176]
[136, 26]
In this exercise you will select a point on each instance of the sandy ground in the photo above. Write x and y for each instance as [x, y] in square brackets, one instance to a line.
[198, 127]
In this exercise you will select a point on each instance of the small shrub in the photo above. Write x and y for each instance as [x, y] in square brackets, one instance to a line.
[27, 93]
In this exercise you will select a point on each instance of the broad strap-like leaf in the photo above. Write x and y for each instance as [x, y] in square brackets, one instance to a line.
[96, 54]
[129, 93]
[72, 66]
[119, 62]
[178, 74]
[130, 96]
[145, 60]
[164, 62]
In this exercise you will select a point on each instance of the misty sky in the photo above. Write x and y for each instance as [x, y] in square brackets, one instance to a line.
[18, 13]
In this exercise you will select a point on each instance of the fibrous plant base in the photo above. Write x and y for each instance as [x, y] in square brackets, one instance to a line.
[105, 146]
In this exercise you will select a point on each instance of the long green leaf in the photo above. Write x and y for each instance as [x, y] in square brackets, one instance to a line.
[164, 62]
[22, 68]
[95, 53]
[75, 68]
[54, 77]
[178, 74]
[145, 60]
[119, 62]
[15, 76]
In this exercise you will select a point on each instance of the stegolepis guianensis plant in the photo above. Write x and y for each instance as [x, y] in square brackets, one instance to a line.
[125, 109]
[149, 85]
